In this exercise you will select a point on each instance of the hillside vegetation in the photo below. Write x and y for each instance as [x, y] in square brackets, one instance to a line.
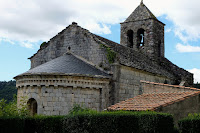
[7, 90]
[197, 85]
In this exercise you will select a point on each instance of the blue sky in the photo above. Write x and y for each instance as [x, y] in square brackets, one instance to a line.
[26, 24]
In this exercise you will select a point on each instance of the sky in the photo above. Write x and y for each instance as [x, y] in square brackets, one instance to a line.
[25, 24]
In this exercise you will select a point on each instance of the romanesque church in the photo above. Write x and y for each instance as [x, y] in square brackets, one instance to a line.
[79, 67]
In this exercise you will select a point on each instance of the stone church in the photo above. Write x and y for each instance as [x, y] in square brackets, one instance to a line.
[79, 67]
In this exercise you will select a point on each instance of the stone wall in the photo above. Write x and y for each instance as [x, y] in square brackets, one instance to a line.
[132, 58]
[153, 36]
[152, 87]
[56, 96]
[128, 82]
[159, 66]
[181, 109]
[76, 39]
[87, 45]
[179, 73]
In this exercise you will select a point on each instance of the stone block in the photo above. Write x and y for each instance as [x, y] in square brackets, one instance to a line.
[68, 91]
[57, 104]
[122, 91]
[49, 104]
[69, 95]
[53, 112]
[44, 103]
[48, 112]
[88, 100]
[54, 99]
[84, 96]
[49, 99]
[46, 108]
[50, 90]
[58, 94]
[64, 104]
[57, 108]
[81, 100]
[55, 91]
[45, 94]
[52, 94]
[76, 100]
[61, 99]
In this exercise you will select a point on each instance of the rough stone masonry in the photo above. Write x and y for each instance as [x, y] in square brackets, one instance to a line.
[79, 67]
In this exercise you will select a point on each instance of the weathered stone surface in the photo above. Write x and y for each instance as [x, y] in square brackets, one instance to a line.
[59, 100]
[139, 56]
[181, 109]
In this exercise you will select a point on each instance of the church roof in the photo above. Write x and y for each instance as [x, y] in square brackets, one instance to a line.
[135, 59]
[152, 101]
[66, 64]
[140, 13]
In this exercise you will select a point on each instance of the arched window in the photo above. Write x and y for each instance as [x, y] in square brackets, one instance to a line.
[140, 38]
[130, 38]
[32, 106]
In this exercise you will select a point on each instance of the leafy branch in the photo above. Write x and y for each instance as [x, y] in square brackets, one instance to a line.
[111, 55]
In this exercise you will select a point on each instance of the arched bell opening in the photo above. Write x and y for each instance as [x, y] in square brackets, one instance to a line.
[140, 38]
[130, 38]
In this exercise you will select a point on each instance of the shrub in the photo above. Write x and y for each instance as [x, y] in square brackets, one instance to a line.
[11, 124]
[118, 122]
[190, 124]
[78, 109]
[43, 45]
[11, 108]
[91, 122]
[43, 124]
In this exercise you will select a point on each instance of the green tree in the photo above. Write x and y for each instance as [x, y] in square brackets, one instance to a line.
[7, 90]
[11, 108]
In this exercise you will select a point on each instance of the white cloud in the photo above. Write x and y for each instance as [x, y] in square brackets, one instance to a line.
[97, 28]
[7, 40]
[26, 45]
[196, 73]
[168, 30]
[187, 48]
[183, 13]
[34, 20]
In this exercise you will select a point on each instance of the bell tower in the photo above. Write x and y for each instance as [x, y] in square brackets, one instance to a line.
[143, 32]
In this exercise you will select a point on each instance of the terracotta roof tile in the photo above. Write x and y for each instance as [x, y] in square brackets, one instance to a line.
[152, 101]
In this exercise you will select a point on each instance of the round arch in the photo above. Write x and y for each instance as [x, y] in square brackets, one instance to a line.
[130, 38]
[140, 37]
[32, 106]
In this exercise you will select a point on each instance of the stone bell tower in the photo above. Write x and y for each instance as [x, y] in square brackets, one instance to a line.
[143, 32]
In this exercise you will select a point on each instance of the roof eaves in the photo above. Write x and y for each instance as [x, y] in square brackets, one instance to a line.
[62, 74]
[144, 20]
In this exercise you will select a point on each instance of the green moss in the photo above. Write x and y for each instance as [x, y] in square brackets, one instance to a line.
[43, 44]
[110, 54]
[101, 64]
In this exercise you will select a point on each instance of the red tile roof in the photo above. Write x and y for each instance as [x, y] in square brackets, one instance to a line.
[152, 101]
